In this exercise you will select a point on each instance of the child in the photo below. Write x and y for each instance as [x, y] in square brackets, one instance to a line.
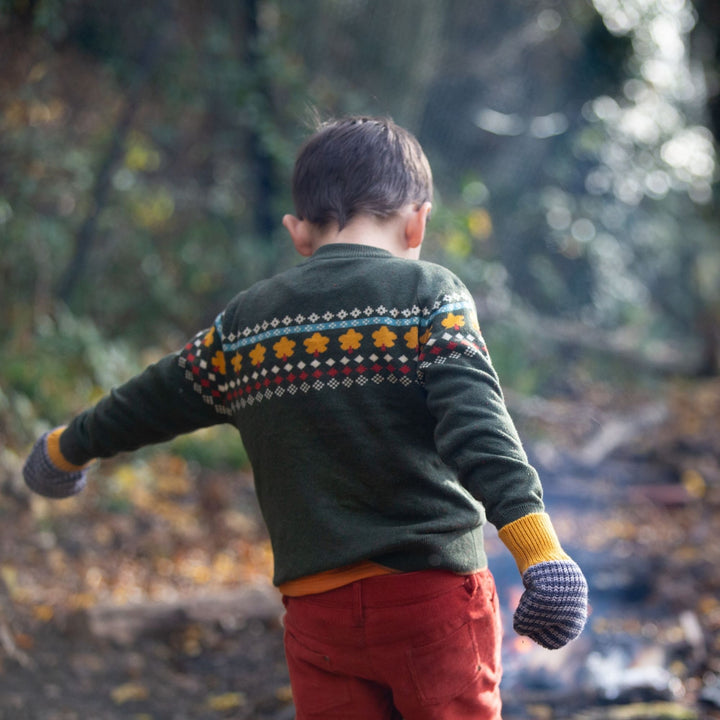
[379, 440]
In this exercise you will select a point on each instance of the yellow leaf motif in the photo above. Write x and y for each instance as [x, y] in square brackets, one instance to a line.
[284, 348]
[350, 340]
[384, 337]
[208, 339]
[316, 343]
[237, 362]
[425, 336]
[453, 321]
[218, 362]
[257, 354]
[411, 338]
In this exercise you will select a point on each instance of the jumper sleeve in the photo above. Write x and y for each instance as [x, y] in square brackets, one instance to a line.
[474, 432]
[531, 540]
[169, 398]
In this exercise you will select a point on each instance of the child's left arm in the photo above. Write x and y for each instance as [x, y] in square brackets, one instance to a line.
[475, 435]
[553, 609]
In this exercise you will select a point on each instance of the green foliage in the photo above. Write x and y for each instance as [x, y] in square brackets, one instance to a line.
[527, 367]
[146, 151]
[217, 448]
[55, 369]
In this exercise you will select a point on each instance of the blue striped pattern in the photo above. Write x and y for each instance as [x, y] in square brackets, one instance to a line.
[336, 325]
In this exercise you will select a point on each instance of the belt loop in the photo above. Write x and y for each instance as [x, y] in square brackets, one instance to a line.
[357, 603]
[471, 584]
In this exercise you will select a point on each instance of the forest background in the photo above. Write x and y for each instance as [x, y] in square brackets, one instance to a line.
[146, 150]
[145, 156]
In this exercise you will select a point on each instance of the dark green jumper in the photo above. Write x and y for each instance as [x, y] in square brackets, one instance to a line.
[368, 406]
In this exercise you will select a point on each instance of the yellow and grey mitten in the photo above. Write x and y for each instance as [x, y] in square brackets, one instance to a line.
[48, 473]
[553, 609]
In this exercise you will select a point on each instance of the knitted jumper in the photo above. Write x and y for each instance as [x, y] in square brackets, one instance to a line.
[368, 406]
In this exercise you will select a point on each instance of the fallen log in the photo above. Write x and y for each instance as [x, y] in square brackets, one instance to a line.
[125, 624]
[621, 432]
[615, 432]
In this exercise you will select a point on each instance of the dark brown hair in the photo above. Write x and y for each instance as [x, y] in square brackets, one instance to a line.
[359, 165]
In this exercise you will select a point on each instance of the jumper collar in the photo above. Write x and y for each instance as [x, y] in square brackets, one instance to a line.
[349, 250]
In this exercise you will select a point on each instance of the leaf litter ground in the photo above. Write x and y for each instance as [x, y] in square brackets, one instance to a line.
[640, 510]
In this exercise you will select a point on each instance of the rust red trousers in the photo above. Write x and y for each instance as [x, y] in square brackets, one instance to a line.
[412, 646]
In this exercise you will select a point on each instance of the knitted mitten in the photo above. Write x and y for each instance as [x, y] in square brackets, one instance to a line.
[553, 609]
[48, 473]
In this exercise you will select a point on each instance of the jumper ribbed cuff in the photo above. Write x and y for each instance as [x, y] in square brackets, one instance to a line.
[55, 454]
[532, 540]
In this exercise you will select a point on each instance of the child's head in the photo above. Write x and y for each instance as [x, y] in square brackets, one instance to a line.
[359, 166]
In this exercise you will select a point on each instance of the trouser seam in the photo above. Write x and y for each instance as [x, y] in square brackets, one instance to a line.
[358, 613]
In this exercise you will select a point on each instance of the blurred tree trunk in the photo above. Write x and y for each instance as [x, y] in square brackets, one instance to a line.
[706, 48]
[86, 234]
[264, 175]
[85, 238]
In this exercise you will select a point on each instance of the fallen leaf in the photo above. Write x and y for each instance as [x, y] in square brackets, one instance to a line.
[694, 483]
[81, 601]
[9, 575]
[226, 701]
[44, 613]
[24, 641]
[284, 694]
[129, 692]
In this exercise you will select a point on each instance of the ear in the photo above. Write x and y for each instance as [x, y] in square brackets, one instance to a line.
[415, 225]
[299, 233]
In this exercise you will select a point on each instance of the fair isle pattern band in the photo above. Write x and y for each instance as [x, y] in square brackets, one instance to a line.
[330, 351]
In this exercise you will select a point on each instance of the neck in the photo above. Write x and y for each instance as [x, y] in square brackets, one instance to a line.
[386, 234]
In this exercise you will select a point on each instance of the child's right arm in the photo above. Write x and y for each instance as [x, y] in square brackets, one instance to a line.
[155, 406]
